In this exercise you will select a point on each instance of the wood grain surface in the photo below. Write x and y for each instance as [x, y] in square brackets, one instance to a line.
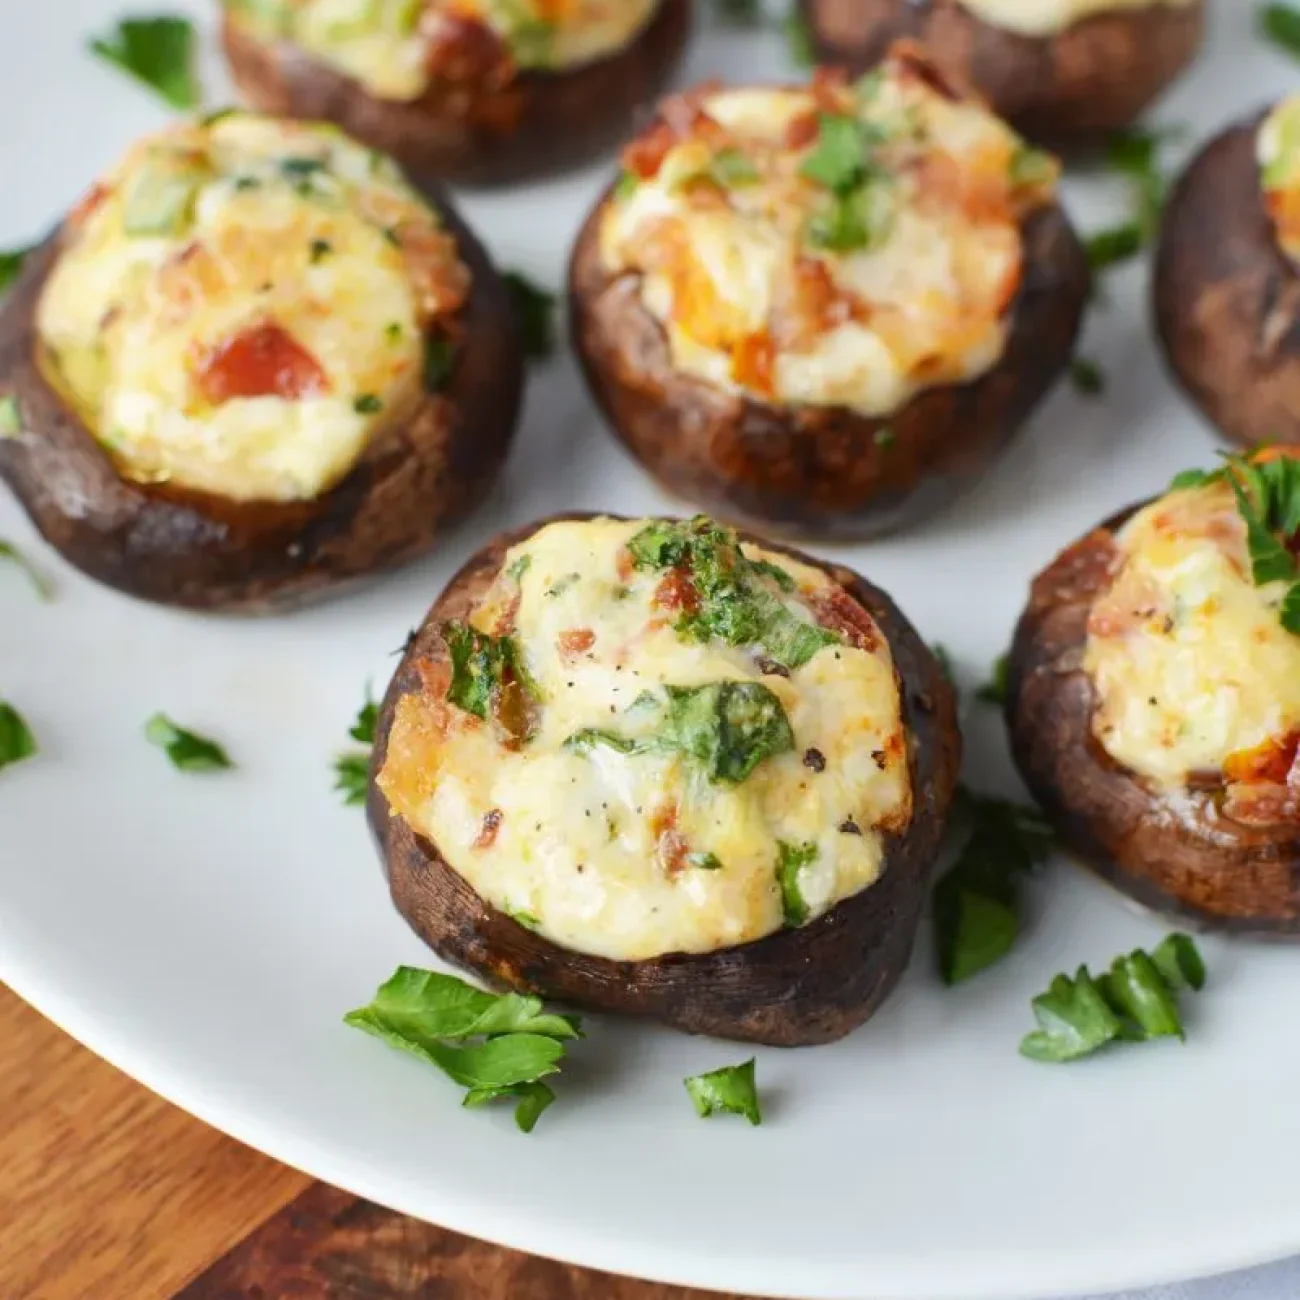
[109, 1193]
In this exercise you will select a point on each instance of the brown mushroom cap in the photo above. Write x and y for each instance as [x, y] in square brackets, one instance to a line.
[821, 471]
[182, 547]
[1175, 853]
[803, 986]
[539, 124]
[1094, 77]
[1227, 298]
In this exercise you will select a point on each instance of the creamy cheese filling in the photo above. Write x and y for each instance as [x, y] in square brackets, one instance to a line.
[1048, 17]
[241, 305]
[399, 49]
[1189, 659]
[847, 246]
[632, 849]
[1277, 146]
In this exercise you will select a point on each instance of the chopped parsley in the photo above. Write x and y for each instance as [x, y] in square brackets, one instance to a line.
[791, 860]
[1280, 23]
[320, 250]
[994, 691]
[488, 678]
[16, 739]
[535, 312]
[626, 185]
[352, 768]
[42, 588]
[728, 1091]
[861, 210]
[11, 262]
[1088, 377]
[188, 751]
[439, 361]
[976, 904]
[1134, 1001]
[732, 168]
[728, 728]
[1267, 493]
[11, 417]
[367, 404]
[495, 1046]
[735, 603]
[799, 41]
[157, 52]
[1134, 155]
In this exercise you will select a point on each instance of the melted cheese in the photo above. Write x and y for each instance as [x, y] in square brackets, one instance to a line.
[392, 46]
[727, 234]
[1189, 659]
[577, 850]
[207, 232]
[1048, 17]
[1278, 150]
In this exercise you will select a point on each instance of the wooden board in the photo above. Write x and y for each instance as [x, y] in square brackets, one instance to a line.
[109, 1192]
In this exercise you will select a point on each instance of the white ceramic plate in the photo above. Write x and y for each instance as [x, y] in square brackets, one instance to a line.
[206, 934]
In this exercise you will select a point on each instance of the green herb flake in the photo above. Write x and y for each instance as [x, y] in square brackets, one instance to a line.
[837, 160]
[519, 567]
[799, 41]
[741, 13]
[1087, 377]
[363, 728]
[884, 438]
[791, 860]
[159, 53]
[994, 691]
[1136, 1000]
[728, 1091]
[1280, 23]
[535, 311]
[704, 861]
[394, 333]
[42, 588]
[736, 604]
[11, 417]
[11, 262]
[352, 777]
[1031, 167]
[488, 678]
[320, 249]
[494, 1046]
[367, 404]
[439, 361]
[1116, 244]
[188, 751]
[732, 168]
[16, 739]
[976, 903]
[626, 185]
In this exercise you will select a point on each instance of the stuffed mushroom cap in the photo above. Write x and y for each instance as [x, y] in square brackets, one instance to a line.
[646, 766]
[822, 307]
[461, 90]
[251, 336]
[1062, 71]
[1226, 288]
[1155, 697]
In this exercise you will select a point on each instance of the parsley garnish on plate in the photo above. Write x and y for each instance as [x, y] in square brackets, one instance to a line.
[494, 1046]
[1134, 1001]
[1088, 377]
[1280, 23]
[16, 739]
[352, 768]
[799, 41]
[158, 52]
[188, 751]
[42, 588]
[976, 904]
[728, 1091]
[1134, 155]
[994, 691]
[11, 262]
[535, 311]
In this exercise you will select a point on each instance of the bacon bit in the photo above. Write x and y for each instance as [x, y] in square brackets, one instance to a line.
[504, 623]
[676, 591]
[753, 363]
[645, 155]
[671, 849]
[440, 279]
[684, 114]
[838, 612]
[465, 51]
[1273, 762]
[802, 130]
[828, 89]
[575, 641]
[89, 203]
[812, 304]
[624, 564]
[263, 361]
[487, 834]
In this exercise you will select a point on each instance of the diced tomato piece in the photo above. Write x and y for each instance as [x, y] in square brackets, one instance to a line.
[645, 155]
[802, 130]
[465, 50]
[676, 592]
[263, 361]
[575, 641]
[753, 363]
